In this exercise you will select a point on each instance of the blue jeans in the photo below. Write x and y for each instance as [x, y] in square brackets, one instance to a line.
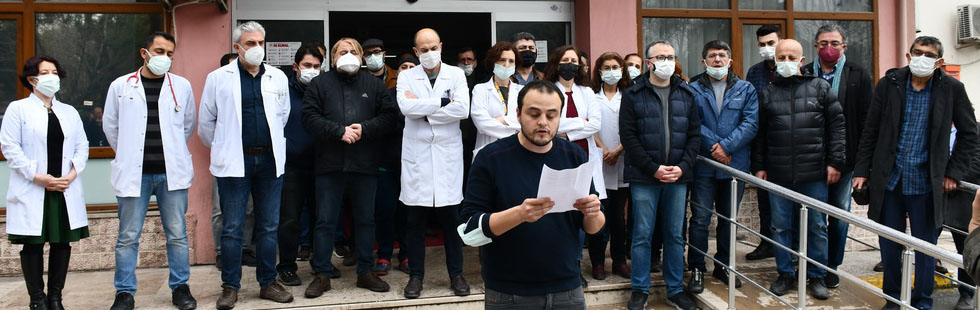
[260, 182]
[389, 216]
[839, 195]
[918, 210]
[330, 191]
[782, 228]
[132, 213]
[650, 201]
[708, 193]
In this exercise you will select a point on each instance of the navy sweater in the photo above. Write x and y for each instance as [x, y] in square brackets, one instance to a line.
[533, 258]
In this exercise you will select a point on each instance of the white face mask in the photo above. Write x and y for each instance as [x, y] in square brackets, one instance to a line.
[307, 75]
[502, 72]
[48, 84]
[787, 68]
[375, 62]
[255, 55]
[158, 64]
[348, 63]
[633, 71]
[922, 66]
[664, 69]
[612, 77]
[717, 73]
[467, 69]
[767, 52]
[431, 59]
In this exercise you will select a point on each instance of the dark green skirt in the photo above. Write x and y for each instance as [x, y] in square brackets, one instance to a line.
[54, 226]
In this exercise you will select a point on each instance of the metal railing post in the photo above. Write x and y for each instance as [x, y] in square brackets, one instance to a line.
[801, 274]
[907, 271]
[731, 244]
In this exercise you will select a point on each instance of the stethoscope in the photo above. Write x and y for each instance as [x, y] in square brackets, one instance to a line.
[169, 80]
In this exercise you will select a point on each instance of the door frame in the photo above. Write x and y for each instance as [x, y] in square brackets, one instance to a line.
[738, 34]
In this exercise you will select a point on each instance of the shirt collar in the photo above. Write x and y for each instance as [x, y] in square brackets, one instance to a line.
[244, 72]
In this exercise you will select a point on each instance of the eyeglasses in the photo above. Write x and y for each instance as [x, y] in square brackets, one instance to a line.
[917, 53]
[663, 57]
[374, 52]
[830, 43]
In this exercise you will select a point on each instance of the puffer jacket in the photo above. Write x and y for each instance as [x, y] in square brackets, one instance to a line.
[641, 129]
[801, 131]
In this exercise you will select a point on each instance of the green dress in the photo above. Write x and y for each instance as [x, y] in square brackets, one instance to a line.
[55, 227]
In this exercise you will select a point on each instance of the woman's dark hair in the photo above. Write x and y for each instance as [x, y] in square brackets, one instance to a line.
[307, 49]
[31, 68]
[494, 53]
[624, 81]
[551, 68]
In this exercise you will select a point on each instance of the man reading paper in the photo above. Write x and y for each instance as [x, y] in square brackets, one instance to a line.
[502, 217]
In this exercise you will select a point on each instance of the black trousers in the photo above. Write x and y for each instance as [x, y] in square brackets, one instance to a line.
[448, 218]
[614, 232]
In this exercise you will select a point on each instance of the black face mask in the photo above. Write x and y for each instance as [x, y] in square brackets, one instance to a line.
[528, 58]
[567, 71]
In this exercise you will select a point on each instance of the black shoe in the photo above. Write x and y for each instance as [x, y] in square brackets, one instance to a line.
[182, 298]
[763, 251]
[459, 286]
[124, 301]
[696, 284]
[655, 266]
[879, 267]
[32, 266]
[783, 284]
[341, 251]
[817, 288]
[722, 275]
[58, 258]
[966, 302]
[414, 288]
[290, 278]
[940, 269]
[372, 282]
[682, 302]
[248, 258]
[831, 280]
[890, 306]
[638, 301]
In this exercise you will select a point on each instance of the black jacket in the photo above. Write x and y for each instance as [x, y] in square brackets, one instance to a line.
[879, 142]
[959, 204]
[801, 130]
[852, 93]
[641, 129]
[335, 100]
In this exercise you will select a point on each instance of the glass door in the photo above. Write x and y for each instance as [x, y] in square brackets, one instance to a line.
[750, 43]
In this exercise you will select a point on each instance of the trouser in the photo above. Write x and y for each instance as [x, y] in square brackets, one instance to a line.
[572, 299]
[839, 195]
[217, 219]
[962, 275]
[709, 193]
[331, 189]
[782, 224]
[389, 216]
[614, 209]
[297, 199]
[653, 201]
[448, 218]
[918, 210]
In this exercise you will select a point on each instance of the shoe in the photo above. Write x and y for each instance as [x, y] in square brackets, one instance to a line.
[124, 301]
[32, 265]
[335, 274]
[414, 288]
[585, 283]
[655, 266]
[403, 266]
[599, 272]
[638, 301]
[319, 285]
[696, 284]
[940, 269]
[817, 288]
[879, 267]
[783, 284]
[228, 298]
[341, 251]
[248, 258]
[350, 259]
[459, 286]
[722, 275]
[681, 301]
[372, 282]
[763, 251]
[381, 267]
[58, 258]
[290, 278]
[217, 261]
[182, 298]
[304, 253]
[276, 292]
[621, 269]
[890, 306]
[965, 303]
[831, 280]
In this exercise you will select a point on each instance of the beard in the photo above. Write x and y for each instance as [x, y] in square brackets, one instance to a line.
[531, 136]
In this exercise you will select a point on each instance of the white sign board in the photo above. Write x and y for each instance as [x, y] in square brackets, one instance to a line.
[542, 47]
[281, 53]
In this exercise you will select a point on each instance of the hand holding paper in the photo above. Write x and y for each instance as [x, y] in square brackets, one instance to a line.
[564, 187]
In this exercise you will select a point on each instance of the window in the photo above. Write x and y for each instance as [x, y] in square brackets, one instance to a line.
[834, 5]
[688, 35]
[8, 63]
[762, 5]
[685, 4]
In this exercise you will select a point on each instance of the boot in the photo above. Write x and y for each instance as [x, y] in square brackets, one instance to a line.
[33, 267]
[58, 258]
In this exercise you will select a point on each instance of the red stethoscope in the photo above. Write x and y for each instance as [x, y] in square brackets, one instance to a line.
[169, 80]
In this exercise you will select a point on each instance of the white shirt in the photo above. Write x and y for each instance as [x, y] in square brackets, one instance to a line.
[124, 123]
[585, 126]
[487, 107]
[609, 134]
[219, 123]
[432, 145]
[24, 142]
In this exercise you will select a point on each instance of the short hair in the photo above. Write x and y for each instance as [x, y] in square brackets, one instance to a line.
[624, 81]
[767, 29]
[495, 51]
[632, 55]
[464, 50]
[226, 58]
[922, 40]
[716, 45]
[551, 68]
[153, 36]
[249, 26]
[307, 49]
[354, 43]
[541, 86]
[647, 50]
[521, 36]
[831, 28]
[32, 68]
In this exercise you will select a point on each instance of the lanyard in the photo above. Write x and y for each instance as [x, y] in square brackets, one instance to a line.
[501, 96]
[169, 80]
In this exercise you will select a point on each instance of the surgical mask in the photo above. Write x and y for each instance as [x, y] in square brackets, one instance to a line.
[375, 62]
[48, 84]
[787, 68]
[767, 52]
[255, 55]
[717, 73]
[922, 66]
[158, 64]
[502, 72]
[828, 54]
[431, 59]
[528, 58]
[612, 77]
[567, 71]
[633, 71]
[467, 69]
[307, 75]
[663, 69]
[474, 237]
[348, 63]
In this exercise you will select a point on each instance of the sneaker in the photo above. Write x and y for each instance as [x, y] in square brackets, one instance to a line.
[182, 298]
[290, 278]
[403, 266]
[763, 251]
[381, 267]
[124, 301]
[681, 301]
[783, 284]
[817, 288]
[831, 280]
[722, 275]
[965, 303]
[696, 284]
[638, 301]
[599, 272]
[276, 292]
[304, 254]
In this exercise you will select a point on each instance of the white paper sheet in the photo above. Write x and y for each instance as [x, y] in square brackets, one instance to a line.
[565, 186]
